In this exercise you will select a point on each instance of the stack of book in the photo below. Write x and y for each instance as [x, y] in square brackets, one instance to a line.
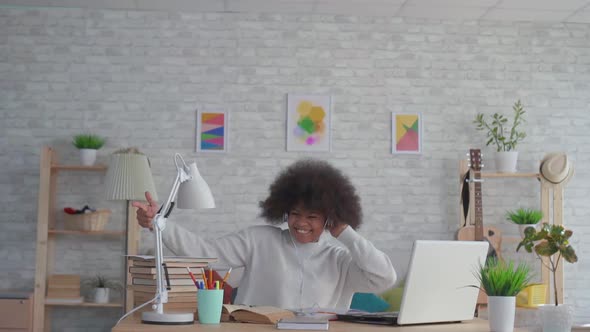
[64, 288]
[182, 293]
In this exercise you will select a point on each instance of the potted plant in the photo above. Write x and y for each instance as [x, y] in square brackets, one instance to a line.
[502, 281]
[524, 218]
[88, 144]
[503, 138]
[552, 241]
[101, 286]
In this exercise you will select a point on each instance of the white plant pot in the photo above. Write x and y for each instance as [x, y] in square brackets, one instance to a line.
[506, 161]
[501, 310]
[521, 228]
[101, 295]
[87, 157]
[556, 318]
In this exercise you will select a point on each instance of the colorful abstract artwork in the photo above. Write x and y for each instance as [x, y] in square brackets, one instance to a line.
[212, 134]
[308, 122]
[407, 133]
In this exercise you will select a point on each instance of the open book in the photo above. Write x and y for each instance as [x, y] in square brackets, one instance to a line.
[253, 314]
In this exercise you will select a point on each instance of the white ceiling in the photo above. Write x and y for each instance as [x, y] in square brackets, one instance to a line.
[571, 11]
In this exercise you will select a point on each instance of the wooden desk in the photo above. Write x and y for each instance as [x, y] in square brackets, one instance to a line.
[133, 324]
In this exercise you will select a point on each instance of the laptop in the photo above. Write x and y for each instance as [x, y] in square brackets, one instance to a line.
[437, 285]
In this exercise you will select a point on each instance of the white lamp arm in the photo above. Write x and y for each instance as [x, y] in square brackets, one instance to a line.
[160, 224]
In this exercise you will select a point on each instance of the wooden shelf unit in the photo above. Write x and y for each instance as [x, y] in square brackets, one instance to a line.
[89, 233]
[47, 235]
[551, 196]
[83, 304]
[95, 168]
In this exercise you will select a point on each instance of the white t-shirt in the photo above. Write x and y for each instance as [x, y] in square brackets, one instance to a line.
[281, 272]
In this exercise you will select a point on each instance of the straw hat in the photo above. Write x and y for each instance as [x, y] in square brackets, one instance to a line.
[556, 168]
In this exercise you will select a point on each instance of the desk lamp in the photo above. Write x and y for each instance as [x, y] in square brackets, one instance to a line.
[128, 178]
[191, 192]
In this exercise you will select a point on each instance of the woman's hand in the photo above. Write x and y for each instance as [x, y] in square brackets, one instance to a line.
[146, 212]
[337, 228]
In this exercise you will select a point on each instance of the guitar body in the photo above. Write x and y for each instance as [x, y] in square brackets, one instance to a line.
[490, 234]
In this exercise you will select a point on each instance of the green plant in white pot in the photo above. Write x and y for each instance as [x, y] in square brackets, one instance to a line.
[524, 218]
[101, 286]
[502, 281]
[88, 145]
[552, 241]
[504, 136]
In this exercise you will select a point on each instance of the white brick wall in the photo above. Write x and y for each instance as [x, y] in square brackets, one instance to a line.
[137, 78]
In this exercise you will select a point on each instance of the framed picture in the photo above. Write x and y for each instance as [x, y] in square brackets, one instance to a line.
[308, 122]
[212, 131]
[406, 133]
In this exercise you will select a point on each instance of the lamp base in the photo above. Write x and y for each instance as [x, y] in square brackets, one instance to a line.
[167, 318]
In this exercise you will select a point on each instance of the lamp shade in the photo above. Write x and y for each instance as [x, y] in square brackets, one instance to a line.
[129, 177]
[194, 193]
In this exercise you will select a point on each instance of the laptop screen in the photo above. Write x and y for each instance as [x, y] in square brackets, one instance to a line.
[437, 285]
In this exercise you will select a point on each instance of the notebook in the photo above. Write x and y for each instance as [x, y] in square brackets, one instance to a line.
[303, 323]
[437, 285]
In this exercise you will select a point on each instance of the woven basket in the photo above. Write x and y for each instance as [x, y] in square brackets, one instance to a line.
[94, 221]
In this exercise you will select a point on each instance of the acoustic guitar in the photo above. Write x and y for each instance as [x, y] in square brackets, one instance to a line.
[478, 232]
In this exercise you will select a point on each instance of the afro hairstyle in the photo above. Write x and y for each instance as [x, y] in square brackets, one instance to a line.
[318, 186]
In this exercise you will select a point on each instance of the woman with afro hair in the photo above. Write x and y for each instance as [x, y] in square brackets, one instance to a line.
[297, 267]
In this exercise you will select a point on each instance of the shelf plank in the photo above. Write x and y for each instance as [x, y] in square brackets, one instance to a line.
[69, 232]
[95, 168]
[84, 304]
[509, 175]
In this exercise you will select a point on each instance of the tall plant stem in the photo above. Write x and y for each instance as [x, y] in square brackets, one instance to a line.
[494, 136]
[554, 279]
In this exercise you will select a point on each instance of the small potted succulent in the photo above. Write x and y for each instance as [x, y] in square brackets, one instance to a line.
[552, 241]
[88, 144]
[502, 281]
[102, 285]
[504, 136]
[524, 218]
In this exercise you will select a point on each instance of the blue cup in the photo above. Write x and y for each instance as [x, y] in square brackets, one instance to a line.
[209, 303]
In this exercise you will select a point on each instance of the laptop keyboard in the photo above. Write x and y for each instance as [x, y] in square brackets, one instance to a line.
[380, 318]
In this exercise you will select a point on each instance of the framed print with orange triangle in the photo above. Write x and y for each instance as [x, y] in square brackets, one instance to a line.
[406, 136]
[212, 131]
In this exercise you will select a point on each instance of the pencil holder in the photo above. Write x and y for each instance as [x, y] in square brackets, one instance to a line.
[209, 303]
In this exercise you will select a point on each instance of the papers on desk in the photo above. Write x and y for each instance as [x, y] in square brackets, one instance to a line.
[303, 323]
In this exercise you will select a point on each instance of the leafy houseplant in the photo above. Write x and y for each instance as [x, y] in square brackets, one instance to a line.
[87, 141]
[102, 284]
[88, 144]
[498, 133]
[502, 281]
[499, 278]
[548, 241]
[524, 218]
[504, 136]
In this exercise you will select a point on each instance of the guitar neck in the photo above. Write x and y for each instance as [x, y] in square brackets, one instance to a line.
[478, 206]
